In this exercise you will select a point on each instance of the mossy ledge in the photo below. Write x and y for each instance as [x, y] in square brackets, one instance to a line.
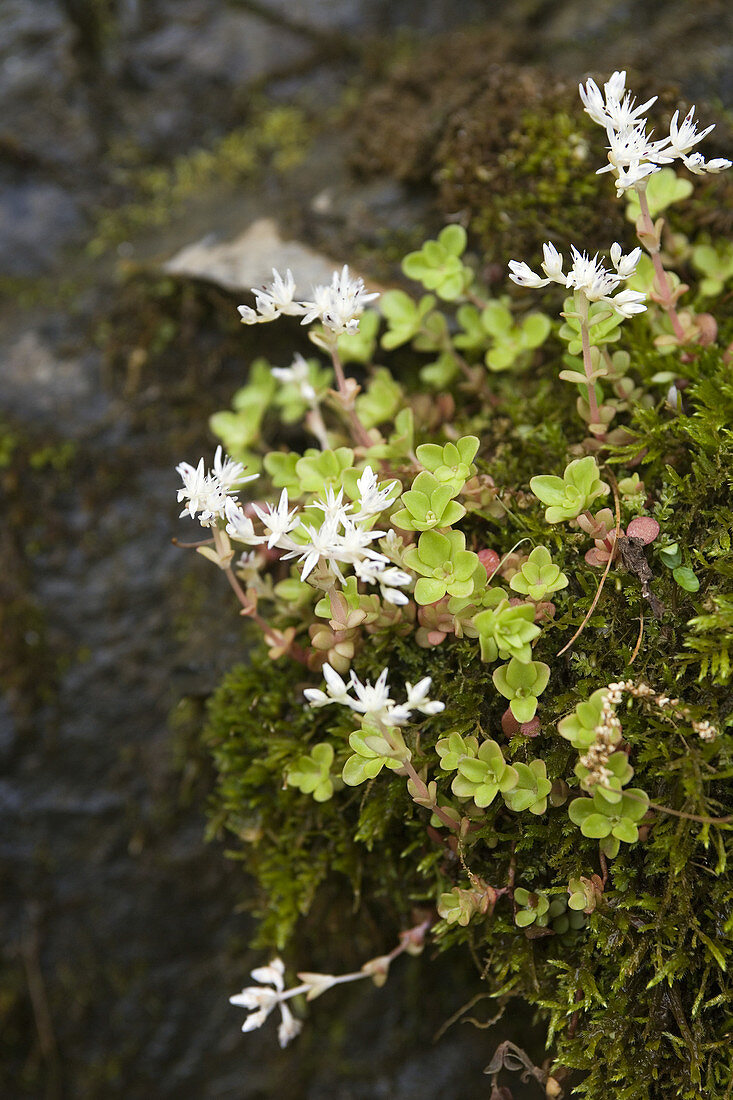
[640, 1001]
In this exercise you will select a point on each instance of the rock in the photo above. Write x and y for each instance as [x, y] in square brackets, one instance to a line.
[378, 16]
[36, 220]
[45, 112]
[35, 378]
[248, 260]
[212, 42]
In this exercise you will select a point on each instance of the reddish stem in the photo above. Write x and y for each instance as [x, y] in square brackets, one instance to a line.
[423, 792]
[294, 650]
[664, 290]
[361, 435]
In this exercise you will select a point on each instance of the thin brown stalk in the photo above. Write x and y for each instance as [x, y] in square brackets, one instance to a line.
[637, 647]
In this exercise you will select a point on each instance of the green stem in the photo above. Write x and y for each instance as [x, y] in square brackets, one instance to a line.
[582, 307]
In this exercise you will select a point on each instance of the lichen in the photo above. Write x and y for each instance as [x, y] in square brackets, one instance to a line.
[275, 139]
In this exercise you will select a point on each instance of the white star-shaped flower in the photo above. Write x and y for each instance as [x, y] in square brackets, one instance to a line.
[277, 521]
[297, 373]
[338, 305]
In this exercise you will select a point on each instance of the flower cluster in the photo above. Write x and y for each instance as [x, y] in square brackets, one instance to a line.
[589, 276]
[632, 155]
[338, 305]
[261, 999]
[208, 494]
[340, 539]
[374, 700]
[297, 374]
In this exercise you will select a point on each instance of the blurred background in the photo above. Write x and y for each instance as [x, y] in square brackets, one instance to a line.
[157, 158]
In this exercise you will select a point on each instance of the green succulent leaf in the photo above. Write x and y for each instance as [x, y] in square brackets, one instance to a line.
[381, 401]
[538, 577]
[663, 189]
[444, 563]
[579, 728]
[573, 493]
[405, 317]
[532, 789]
[438, 265]
[507, 631]
[686, 578]
[320, 470]
[715, 262]
[311, 774]
[521, 683]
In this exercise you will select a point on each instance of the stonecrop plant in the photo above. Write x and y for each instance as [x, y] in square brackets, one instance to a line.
[485, 608]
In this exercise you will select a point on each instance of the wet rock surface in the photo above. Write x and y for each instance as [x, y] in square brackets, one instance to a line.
[120, 938]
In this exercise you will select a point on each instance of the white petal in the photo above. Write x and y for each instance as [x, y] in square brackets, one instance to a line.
[336, 686]
[256, 1020]
[317, 698]
[553, 260]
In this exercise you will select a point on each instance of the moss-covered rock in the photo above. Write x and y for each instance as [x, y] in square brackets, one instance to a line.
[637, 997]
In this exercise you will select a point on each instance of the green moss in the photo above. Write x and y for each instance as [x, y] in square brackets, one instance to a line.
[545, 173]
[33, 467]
[512, 153]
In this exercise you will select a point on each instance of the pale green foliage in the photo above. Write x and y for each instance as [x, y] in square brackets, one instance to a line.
[521, 683]
[382, 400]
[404, 316]
[444, 565]
[506, 630]
[662, 190]
[451, 464]
[311, 774]
[438, 265]
[535, 909]
[457, 906]
[531, 790]
[239, 429]
[482, 770]
[494, 326]
[428, 503]
[538, 577]
[579, 728]
[715, 264]
[610, 821]
[372, 752]
[567, 496]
